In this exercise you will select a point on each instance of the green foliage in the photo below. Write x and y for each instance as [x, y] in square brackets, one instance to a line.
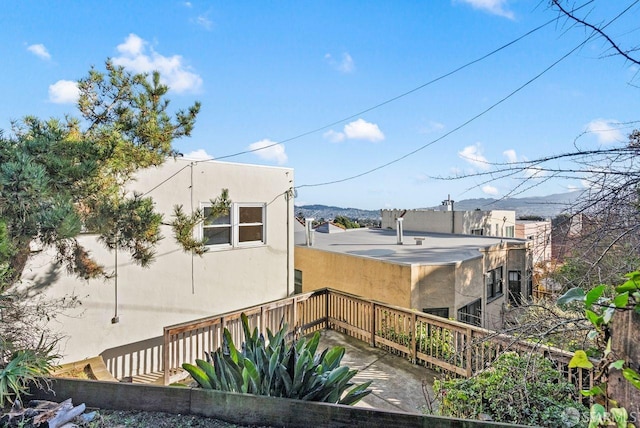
[183, 224]
[515, 389]
[276, 368]
[599, 309]
[58, 176]
[21, 368]
[346, 222]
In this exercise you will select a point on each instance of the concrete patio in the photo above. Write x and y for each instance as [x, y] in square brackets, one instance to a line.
[397, 384]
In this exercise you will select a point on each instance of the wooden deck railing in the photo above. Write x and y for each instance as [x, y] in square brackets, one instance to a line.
[454, 347]
[183, 343]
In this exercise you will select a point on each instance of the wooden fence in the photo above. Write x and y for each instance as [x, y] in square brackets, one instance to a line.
[438, 343]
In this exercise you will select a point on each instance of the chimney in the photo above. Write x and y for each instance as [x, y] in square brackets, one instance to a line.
[308, 229]
[399, 230]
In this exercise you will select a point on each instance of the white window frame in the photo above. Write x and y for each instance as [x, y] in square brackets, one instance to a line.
[235, 237]
[203, 226]
[235, 225]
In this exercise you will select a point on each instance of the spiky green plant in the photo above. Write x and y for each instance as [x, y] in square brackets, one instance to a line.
[277, 368]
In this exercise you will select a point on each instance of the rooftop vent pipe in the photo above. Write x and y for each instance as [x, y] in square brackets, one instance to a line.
[399, 231]
[309, 232]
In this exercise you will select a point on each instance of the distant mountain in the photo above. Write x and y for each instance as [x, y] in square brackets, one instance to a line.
[328, 212]
[543, 206]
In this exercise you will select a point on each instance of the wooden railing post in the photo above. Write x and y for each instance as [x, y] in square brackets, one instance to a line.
[295, 317]
[166, 354]
[469, 352]
[372, 327]
[326, 309]
[413, 345]
[263, 321]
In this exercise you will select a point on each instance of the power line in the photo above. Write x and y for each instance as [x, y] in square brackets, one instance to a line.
[482, 113]
[457, 128]
[397, 97]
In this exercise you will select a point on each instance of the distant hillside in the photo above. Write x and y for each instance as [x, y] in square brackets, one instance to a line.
[543, 206]
[328, 212]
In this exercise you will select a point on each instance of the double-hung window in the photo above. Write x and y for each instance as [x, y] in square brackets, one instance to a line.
[242, 225]
[216, 228]
[250, 224]
[494, 283]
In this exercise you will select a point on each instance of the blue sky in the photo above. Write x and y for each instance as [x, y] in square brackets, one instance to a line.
[271, 72]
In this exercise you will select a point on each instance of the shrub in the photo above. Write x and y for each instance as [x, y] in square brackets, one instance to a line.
[279, 369]
[515, 389]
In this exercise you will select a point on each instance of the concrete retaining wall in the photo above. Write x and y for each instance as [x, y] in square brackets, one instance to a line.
[241, 409]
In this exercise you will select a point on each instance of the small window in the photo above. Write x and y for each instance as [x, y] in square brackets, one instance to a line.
[471, 313]
[509, 231]
[241, 225]
[251, 224]
[515, 287]
[477, 232]
[494, 283]
[217, 230]
[297, 281]
[439, 312]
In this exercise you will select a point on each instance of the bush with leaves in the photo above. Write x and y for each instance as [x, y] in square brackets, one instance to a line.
[277, 368]
[601, 304]
[516, 389]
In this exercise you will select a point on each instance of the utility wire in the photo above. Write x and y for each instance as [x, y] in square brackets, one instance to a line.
[397, 97]
[482, 113]
[457, 128]
[383, 103]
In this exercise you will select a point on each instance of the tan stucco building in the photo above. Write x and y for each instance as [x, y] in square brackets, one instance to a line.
[538, 232]
[250, 260]
[463, 277]
[487, 223]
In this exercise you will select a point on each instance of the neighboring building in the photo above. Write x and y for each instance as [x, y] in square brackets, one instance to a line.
[538, 232]
[456, 276]
[250, 259]
[487, 223]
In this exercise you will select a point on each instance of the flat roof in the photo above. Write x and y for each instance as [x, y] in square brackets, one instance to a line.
[381, 244]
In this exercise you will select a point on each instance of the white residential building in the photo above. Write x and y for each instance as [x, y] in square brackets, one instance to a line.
[250, 260]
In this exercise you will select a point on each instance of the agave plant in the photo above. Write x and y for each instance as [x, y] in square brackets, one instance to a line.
[277, 368]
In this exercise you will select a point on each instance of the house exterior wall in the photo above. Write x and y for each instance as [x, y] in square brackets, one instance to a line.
[492, 223]
[418, 286]
[369, 278]
[539, 233]
[177, 286]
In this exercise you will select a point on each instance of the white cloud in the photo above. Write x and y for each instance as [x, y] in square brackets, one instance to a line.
[606, 131]
[357, 130]
[188, 4]
[134, 57]
[510, 155]
[64, 92]
[40, 51]
[490, 190]
[333, 136]
[494, 7]
[363, 130]
[432, 126]
[204, 22]
[473, 155]
[273, 152]
[199, 154]
[345, 65]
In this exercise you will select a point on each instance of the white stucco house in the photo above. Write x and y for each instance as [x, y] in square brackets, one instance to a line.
[249, 261]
